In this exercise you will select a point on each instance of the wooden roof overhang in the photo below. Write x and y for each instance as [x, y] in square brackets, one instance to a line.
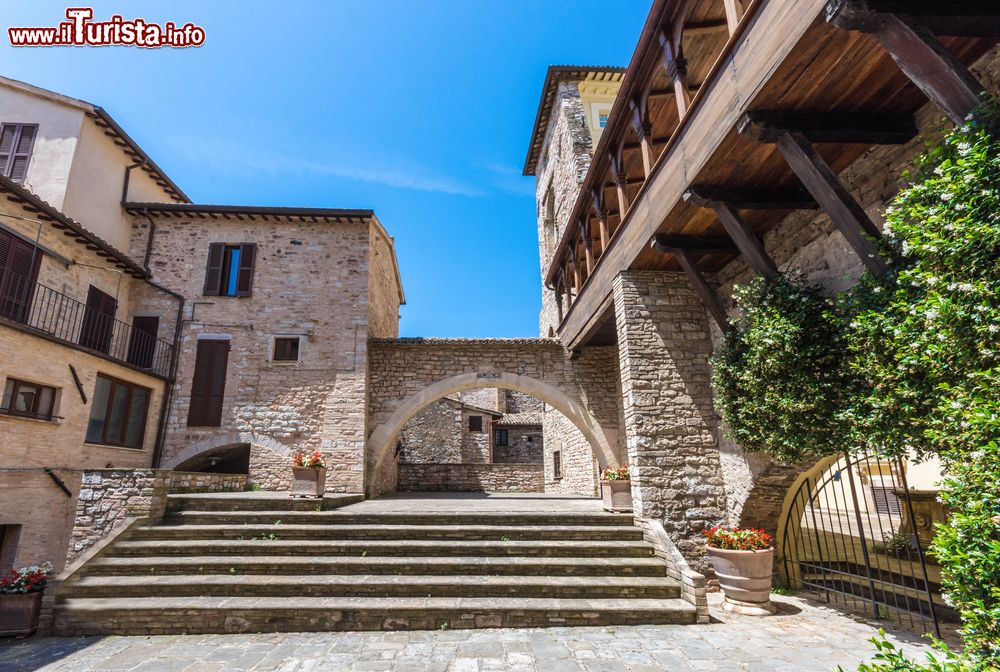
[783, 65]
[42, 211]
[251, 212]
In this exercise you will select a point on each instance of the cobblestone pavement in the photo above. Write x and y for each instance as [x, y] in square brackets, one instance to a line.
[801, 637]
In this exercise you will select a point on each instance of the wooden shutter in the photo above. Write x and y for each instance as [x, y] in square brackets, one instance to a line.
[213, 273]
[244, 280]
[142, 341]
[208, 386]
[16, 143]
[98, 320]
[19, 262]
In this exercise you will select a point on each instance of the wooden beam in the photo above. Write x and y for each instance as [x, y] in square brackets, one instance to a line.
[829, 127]
[752, 249]
[698, 282]
[643, 131]
[676, 66]
[588, 249]
[734, 12]
[697, 28]
[838, 203]
[669, 242]
[959, 18]
[751, 198]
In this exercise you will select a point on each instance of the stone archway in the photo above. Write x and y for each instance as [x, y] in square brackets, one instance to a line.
[269, 460]
[383, 438]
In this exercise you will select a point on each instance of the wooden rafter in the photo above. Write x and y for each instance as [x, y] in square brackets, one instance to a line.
[751, 198]
[829, 127]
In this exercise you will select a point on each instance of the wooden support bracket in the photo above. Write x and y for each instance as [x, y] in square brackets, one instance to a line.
[838, 203]
[698, 282]
[750, 247]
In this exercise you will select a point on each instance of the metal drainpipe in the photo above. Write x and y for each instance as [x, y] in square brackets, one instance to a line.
[128, 170]
[149, 240]
[168, 388]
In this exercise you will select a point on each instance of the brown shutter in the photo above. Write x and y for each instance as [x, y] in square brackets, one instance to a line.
[19, 262]
[7, 136]
[98, 320]
[213, 273]
[22, 153]
[208, 386]
[142, 341]
[244, 281]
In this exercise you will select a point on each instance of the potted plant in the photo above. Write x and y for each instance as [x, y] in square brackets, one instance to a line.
[616, 489]
[308, 474]
[21, 599]
[743, 560]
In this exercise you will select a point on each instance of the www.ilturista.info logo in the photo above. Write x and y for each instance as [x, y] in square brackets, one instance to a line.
[81, 31]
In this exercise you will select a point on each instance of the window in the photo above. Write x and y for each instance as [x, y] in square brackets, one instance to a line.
[28, 399]
[230, 269]
[499, 437]
[475, 423]
[602, 119]
[286, 349]
[208, 386]
[556, 464]
[117, 413]
[19, 261]
[16, 142]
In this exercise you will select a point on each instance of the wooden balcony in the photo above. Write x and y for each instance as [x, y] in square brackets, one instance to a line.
[728, 120]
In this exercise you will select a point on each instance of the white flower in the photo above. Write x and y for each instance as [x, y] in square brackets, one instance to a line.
[947, 196]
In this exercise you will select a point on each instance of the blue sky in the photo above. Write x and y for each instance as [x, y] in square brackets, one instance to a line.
[419, 110]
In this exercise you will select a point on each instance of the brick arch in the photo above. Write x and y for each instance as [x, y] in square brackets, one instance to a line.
[406, 375]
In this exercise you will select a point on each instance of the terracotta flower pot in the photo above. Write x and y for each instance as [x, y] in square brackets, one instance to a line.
[745, 579]
[19, 613]
[308, 482]
[617, 496]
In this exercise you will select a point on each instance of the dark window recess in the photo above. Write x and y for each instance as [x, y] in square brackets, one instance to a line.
[208, 387]
[10, 538]
[230, 269]
[286, 349]
[98, 320]
[499, 437]
[16, 143]
[142, 341]
[117, 413]
[19, 262]
[28, 399]
[556, 464]
[475, 423]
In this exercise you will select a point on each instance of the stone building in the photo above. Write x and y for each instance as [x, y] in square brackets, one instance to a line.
[453, 443]
[138, 329]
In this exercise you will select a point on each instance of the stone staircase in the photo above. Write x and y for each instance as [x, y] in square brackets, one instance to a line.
[245, 564]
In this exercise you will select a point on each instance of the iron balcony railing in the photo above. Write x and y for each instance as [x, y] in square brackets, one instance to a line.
[44, 310]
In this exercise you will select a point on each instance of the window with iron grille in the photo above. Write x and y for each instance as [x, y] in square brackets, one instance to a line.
[556, 464]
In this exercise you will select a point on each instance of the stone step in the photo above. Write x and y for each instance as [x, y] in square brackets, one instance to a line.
[199, 615]
[264, 545]
[273, 564]
[284, 585]
[257, 501]
[339, 531]
[314, 517]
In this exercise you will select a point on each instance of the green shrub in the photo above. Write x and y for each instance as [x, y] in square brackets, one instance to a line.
[781, 375]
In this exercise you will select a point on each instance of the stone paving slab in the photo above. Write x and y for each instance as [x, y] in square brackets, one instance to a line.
[802, 636]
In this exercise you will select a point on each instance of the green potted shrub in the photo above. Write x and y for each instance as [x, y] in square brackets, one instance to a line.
[616, 489]
[743, 560]
[21, 599]
[308, 474]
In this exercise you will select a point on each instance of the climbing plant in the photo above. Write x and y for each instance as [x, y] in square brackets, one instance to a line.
[927, 343]
[781, 375]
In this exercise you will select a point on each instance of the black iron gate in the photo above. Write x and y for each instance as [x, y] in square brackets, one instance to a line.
[850, 535]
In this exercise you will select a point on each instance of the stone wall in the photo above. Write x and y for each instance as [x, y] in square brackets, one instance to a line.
[566, 158]
[311, 279]
[384, 290]
[109, 496]
[434, 435]
[525, 445]
[406, 374]
[518, 402]
[670, 422]
[471, 477]
[808, 242]
[578, 467]
[476, 446]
